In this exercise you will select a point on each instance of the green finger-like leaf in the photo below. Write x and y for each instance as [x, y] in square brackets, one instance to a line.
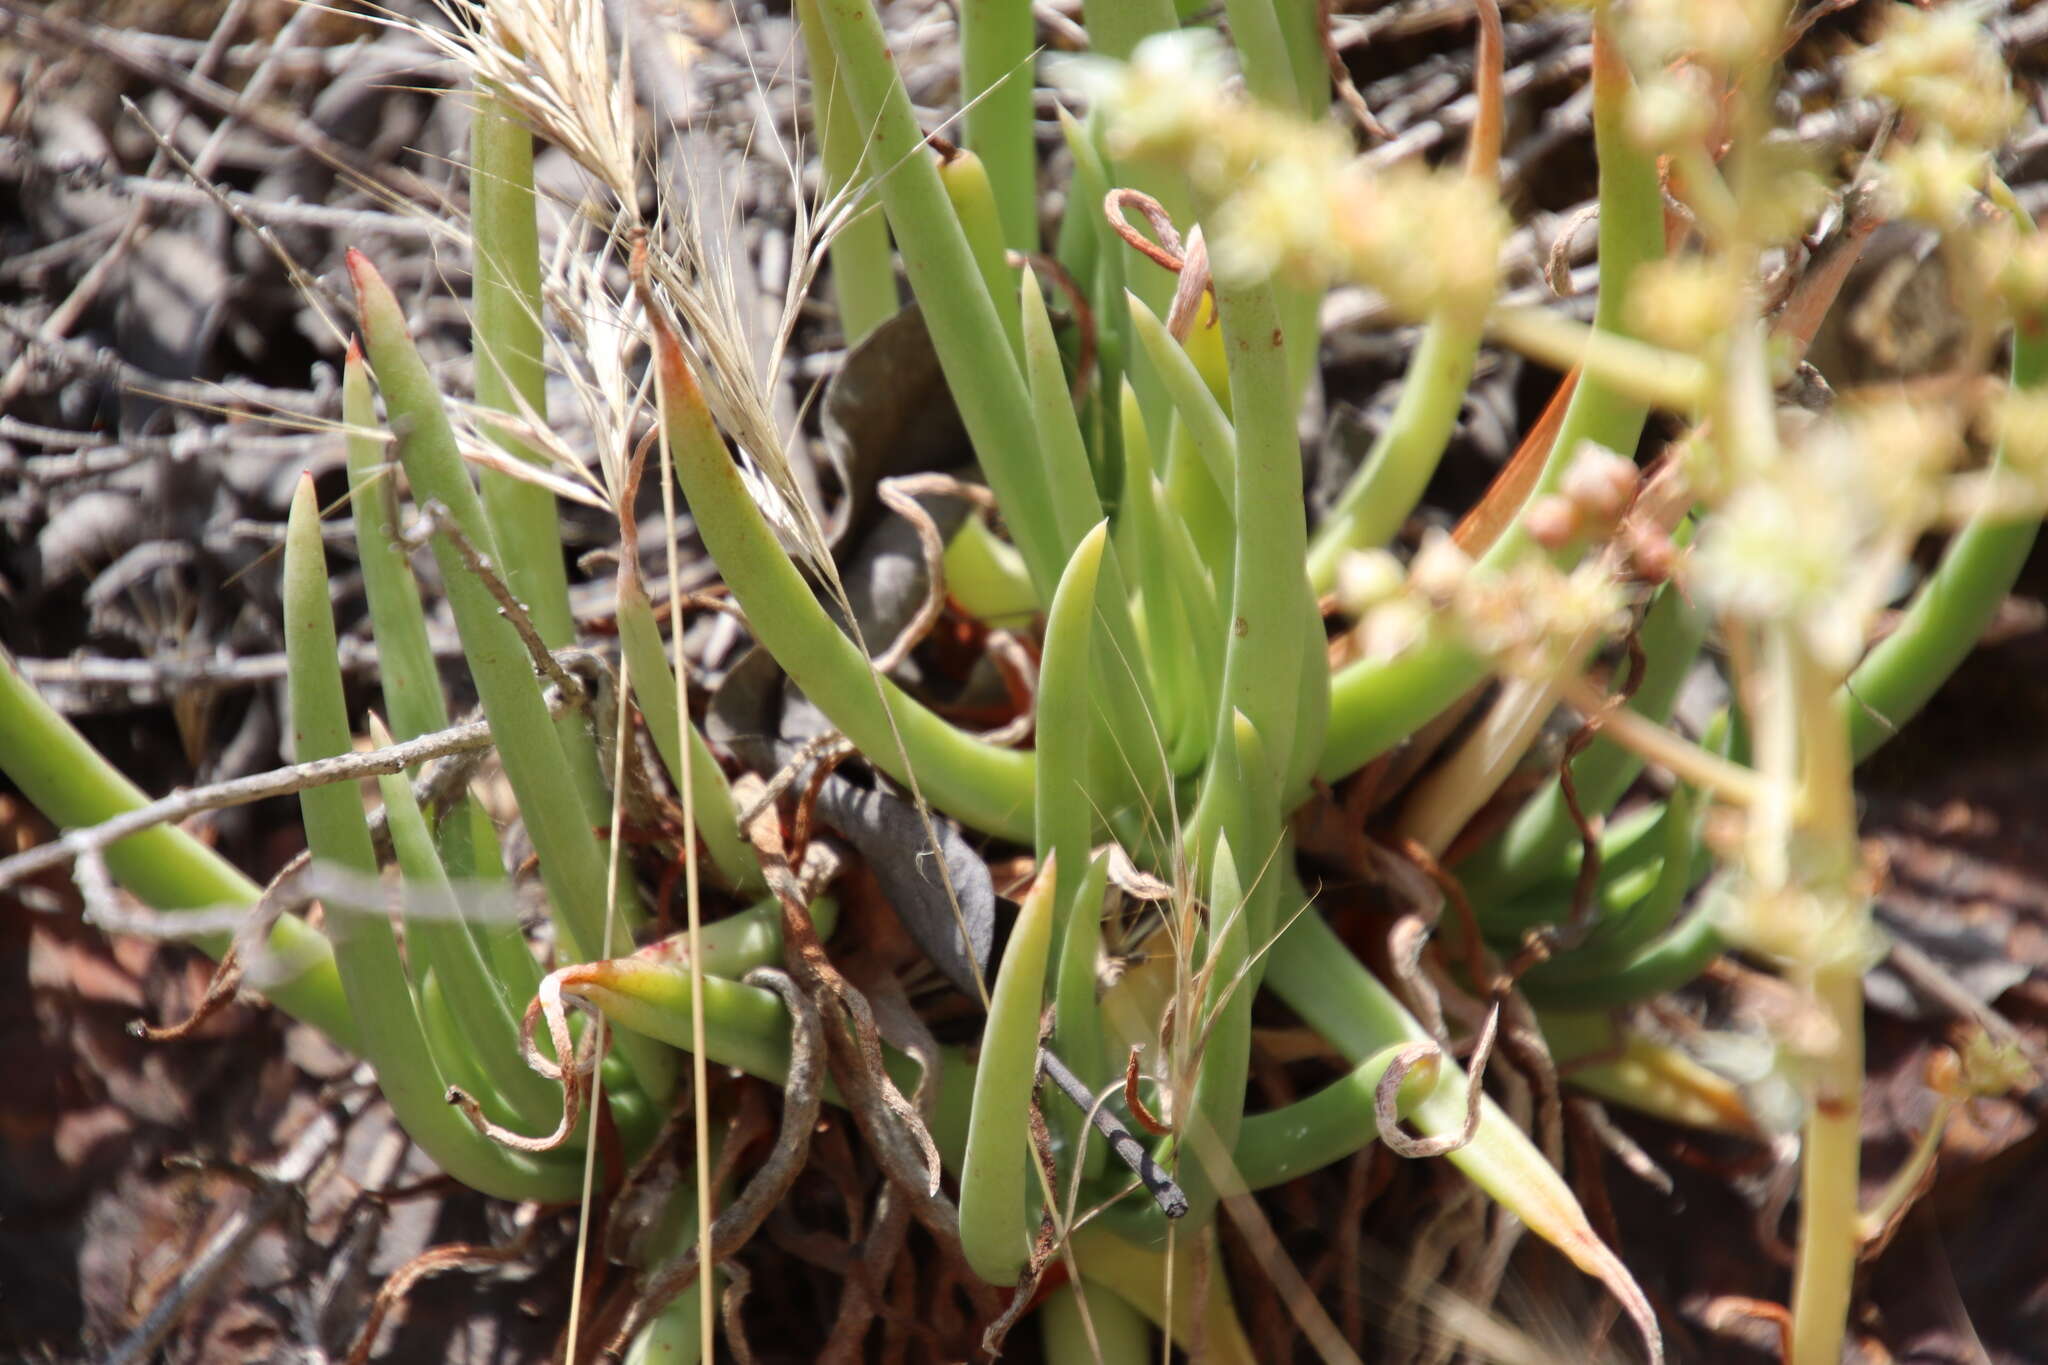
[529, 745]
[1543, 831]
[745, 1027]
[1954, 607]
[1111, 1332]
[1067, 818]
[1390, 480]
[1064, 822]
[440, 942]
[1226, 1036]
[986, 577]
[1147, 1278]
[1312, 970]
[967, 182]
[976, 782]
[1077, 1016]
[43, 754]
[1286, 1143]
[965, 321]
[995, 1231]
[1201, 415]
[405, 659]
[365, 950]
[654, 689]
[508, 343]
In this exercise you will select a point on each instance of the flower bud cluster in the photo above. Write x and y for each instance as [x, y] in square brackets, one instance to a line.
[1684, 302]
[1727, 34]
[1596, 490]
[1803, 539]
[1797, 925]
[1988, 1067]
[1942, 67]
[1934, 180]
[1532, 619]
[1944, 71]
[2018, 421]
[1293, 199]
[2017, 484]
[2016, 265]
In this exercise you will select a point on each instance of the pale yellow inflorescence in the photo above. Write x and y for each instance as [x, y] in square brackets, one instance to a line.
[1943, 69]
[1293, 200]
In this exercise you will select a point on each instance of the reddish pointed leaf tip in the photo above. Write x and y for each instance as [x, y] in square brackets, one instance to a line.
[355, 350]
[361, 274]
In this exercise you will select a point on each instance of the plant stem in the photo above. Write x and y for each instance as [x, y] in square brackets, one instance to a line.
[1631, 234]
[1643, 373]
[1825, 858]
[1830, 1158]
[1263, 653]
